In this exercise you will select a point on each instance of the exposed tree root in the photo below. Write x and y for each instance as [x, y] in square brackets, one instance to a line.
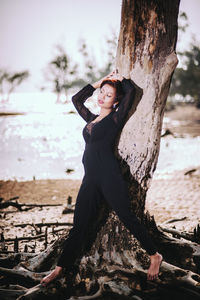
[108, 270]
[178, 234]
[12, 260]
[22, 276]
[46, 259]
[8, 294]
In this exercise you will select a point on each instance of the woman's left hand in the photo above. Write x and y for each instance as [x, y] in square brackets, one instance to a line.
[116, 75]
[112, 75]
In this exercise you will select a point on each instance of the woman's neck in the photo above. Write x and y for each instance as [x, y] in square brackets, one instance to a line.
[104, 112]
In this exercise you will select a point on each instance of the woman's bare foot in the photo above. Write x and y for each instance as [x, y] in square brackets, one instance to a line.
[153, 271]
[53, 275]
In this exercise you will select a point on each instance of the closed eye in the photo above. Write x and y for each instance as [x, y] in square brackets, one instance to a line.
[108, 95]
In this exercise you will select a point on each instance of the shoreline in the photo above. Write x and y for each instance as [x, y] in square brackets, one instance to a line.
[33, 148]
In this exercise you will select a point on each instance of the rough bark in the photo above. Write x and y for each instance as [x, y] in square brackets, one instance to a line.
[112, 261]
[146, 54]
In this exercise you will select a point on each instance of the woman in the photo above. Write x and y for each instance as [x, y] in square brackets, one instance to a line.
[103, 178]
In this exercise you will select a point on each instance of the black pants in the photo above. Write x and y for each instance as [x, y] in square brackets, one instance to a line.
[115, 191]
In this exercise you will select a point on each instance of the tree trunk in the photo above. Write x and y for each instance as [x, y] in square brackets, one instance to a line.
[146, 53]
[112, 261]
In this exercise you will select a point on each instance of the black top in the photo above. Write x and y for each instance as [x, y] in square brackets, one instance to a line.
[117, 116]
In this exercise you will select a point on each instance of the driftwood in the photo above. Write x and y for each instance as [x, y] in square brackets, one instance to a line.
[111, 277]
[17, 239]
[176, 220]
[25, 238]
[190, 172]
[178, 234]
[11, 292]
[11, 260]
[38, 226]
[44, 224]
[10, 199]
[167, 132]
[20, 206]
[6, 212]
[22, 276]
[67, 210]
[46, 259]
[194, 237]
[33, 237]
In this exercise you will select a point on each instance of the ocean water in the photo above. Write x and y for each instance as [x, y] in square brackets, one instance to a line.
[47, 140]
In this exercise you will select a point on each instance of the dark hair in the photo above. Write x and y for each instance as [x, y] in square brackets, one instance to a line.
[117, 85]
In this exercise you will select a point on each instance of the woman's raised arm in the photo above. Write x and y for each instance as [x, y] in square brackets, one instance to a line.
[78, 100]
[125, 103]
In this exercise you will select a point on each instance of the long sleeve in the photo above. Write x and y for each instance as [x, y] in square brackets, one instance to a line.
[125, 103]
[78, 100]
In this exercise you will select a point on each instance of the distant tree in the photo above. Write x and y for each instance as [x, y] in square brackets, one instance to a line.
[186, 80]
[111, 43]
[61, 72]
[92, 70]
[9, 82]
[64, 74]
[89, 61]
[182, 22]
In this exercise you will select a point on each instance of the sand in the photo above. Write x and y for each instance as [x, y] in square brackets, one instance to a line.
[175, 198]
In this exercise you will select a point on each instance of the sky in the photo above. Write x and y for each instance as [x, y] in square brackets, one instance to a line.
[30, 30]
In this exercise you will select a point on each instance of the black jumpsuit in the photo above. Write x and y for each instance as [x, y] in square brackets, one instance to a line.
[102, 176]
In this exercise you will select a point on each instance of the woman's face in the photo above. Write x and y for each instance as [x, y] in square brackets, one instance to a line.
[106, 96]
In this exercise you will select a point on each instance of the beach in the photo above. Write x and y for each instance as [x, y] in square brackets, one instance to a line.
[173, 195]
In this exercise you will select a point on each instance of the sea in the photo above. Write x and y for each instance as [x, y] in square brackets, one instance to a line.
[44, 140]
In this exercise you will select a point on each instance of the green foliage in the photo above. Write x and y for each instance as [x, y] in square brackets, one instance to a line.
[92, 71]
[9, 82]
[64, 74]
[61, 72]
[186, 80]
[111, 43]
[90, 66]
[183, 25]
